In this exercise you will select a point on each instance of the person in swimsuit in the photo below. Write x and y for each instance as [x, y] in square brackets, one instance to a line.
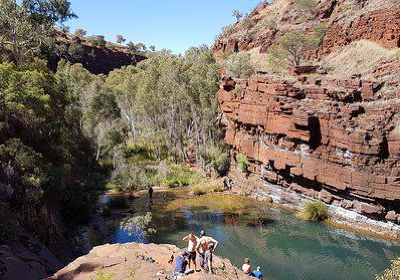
[192, 245]
[203, 246]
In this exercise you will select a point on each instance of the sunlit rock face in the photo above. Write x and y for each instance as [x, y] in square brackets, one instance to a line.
[138, 261]
[317, 131]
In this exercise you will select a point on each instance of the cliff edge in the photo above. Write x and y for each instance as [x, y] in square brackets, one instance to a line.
[128, 261]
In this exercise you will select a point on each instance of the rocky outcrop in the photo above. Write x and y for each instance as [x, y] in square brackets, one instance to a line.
[97, 59]
[342, 21]
[23, 257]
[327, 134]
[382, 26]
[134, 261]
[329, 139]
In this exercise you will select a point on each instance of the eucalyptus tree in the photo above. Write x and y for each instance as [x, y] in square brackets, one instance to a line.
[123, 83]
[26, 28]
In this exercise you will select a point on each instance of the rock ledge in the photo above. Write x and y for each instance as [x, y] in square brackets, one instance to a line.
[125, 261]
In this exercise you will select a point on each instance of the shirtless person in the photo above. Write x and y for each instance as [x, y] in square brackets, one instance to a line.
[192, 245]
[203, 246]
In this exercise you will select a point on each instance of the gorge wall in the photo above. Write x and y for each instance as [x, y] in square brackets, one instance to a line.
[96, 59]
[313, 130]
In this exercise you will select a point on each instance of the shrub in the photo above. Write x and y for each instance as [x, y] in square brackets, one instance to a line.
[198, 190]
[225, 32]
[98, 40]
[118, 202]
[179, 175]
[217, 189]
[306, 7]
[314, 211]
[102, 276]
[392, 273]
[80, 33]
[76, 51]
[243, 162]
[238, 65]
[268, 22]
[319, 33]
[247, 24]
[216, 158]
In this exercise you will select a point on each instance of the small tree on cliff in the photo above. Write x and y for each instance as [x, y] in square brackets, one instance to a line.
[120, 39]
[98, 40]
[238, 65]
[291, 47]
[238, 15]
[80, 33]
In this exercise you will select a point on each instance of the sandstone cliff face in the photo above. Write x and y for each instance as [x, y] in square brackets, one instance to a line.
[331, 137]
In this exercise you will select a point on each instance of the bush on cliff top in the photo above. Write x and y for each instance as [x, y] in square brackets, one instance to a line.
[239, 65]
[314, 211]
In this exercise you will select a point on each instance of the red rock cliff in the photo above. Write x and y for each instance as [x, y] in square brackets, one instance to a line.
[329, 137]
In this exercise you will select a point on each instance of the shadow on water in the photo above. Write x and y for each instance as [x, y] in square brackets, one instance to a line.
[285, 247]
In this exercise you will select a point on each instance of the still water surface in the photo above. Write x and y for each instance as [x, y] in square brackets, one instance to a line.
[285, 247]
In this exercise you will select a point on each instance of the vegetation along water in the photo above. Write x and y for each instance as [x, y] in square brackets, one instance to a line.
[81, 116]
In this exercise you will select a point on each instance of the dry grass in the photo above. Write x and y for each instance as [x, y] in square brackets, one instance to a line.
[262, 62]
[351, 10]
[360, 57]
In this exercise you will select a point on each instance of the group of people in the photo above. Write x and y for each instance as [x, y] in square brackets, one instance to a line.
[249, 270]
[227, 184]
[204, 247]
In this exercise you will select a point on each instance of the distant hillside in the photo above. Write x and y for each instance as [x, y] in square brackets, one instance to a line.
[96, 59]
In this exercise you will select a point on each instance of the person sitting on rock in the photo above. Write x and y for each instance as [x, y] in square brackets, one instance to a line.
[246, 267]
[257, 273]
[192, 245]
[181, 263]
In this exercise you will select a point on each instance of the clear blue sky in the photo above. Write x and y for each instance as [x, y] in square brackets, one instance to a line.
[171, 24]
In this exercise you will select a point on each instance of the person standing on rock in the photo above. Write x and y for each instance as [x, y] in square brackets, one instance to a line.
[151, 192]
[208, 258]
[203, 246]
[192, 245]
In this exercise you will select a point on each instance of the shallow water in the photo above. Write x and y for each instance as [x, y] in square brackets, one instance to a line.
[285, 247]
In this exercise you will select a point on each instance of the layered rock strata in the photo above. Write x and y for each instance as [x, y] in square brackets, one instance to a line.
[329, 139]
